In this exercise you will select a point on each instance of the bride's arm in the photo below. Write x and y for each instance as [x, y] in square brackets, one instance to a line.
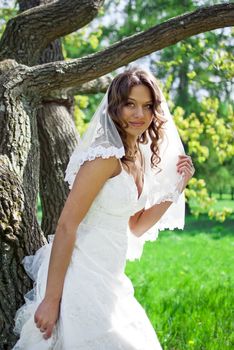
[143, 220]
[89, 180]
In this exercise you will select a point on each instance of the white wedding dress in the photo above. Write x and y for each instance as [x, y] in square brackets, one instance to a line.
[98, 308]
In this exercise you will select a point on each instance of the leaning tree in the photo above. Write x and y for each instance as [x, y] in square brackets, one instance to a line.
[37, 131]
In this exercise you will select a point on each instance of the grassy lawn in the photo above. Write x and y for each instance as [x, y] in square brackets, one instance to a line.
[185, 283]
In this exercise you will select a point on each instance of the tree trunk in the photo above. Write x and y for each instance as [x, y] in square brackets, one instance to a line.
[57, 140]
[57, 137]
[220, 193]
[20, 234]
[183, 94]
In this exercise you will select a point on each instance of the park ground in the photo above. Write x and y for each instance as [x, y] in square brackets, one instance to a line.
[184, 281]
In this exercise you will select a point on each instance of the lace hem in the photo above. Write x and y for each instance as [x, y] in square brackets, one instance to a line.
[78, 158]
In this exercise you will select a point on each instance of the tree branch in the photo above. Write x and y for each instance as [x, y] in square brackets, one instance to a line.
[30, 32]
[62, 75]
[79, 71]
[92, 87]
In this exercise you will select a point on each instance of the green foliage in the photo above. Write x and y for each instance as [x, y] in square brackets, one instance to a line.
[81, 43]
[196, 194]
[220, 215]
[210, 128]
[185, 281]
[219, 129]
[81, 103]
[137, 15]
[200, 202]
[84, 109]
[208, 136]
[191, 131]
[6, 13]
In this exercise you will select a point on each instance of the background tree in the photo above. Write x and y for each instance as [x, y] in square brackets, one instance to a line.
[36, 118]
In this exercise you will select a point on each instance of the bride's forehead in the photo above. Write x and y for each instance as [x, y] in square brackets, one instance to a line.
[140, 93]
[138, 89]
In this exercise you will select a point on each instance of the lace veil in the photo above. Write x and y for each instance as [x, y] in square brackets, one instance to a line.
[162, 186]
[102, 140]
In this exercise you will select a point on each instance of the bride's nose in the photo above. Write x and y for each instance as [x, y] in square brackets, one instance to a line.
[139, 113]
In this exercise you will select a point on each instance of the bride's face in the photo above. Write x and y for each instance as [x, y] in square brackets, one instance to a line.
[138, 110]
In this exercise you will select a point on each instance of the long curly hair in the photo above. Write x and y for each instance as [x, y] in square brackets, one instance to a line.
[118, 93]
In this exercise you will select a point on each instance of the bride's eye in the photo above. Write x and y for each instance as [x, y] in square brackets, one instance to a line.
[149, 106]
[129, 104]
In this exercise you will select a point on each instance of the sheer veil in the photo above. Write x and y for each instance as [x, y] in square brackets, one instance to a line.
[102, 140]
[162, 186]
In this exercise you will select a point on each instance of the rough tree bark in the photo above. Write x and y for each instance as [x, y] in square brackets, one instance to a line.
[20, 233]
[58, 138]
[30, 91]
[41, 25]
[57, 135]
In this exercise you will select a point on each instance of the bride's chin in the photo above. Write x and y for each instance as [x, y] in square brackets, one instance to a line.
[136, 132]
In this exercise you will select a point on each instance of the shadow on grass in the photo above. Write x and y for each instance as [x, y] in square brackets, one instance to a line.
[217, 230]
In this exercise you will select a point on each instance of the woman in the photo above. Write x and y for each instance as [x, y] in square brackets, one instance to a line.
[87, 302]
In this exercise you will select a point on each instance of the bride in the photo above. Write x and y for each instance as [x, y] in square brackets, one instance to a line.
[125, 176]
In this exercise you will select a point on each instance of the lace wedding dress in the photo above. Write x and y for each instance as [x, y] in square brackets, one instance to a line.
[98, 309]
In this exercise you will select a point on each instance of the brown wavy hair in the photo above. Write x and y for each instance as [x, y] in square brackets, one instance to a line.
[118, 93]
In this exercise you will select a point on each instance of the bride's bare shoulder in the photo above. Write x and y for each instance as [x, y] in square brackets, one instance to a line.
[105, 166]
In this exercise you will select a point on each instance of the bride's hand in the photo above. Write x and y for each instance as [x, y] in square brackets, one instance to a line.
[46, 316]
[185, 167]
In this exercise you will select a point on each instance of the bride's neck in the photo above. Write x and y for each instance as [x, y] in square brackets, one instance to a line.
[133, 148]
[132, 144]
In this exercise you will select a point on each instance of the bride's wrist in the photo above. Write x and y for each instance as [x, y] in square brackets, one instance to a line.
[52, 299]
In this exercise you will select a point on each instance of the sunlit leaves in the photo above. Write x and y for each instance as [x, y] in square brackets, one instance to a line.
[5, 15]
[219, 129]
[208, 133]
[200, 202]
[191, 75]
[220, 215]
[82, 42]
[93, 40]
[198, 197]
[206, 130]
[81, 102]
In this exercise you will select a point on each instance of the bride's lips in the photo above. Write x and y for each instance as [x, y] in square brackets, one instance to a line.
[136, 124]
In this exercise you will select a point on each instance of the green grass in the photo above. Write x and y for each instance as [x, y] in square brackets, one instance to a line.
[185, 283]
